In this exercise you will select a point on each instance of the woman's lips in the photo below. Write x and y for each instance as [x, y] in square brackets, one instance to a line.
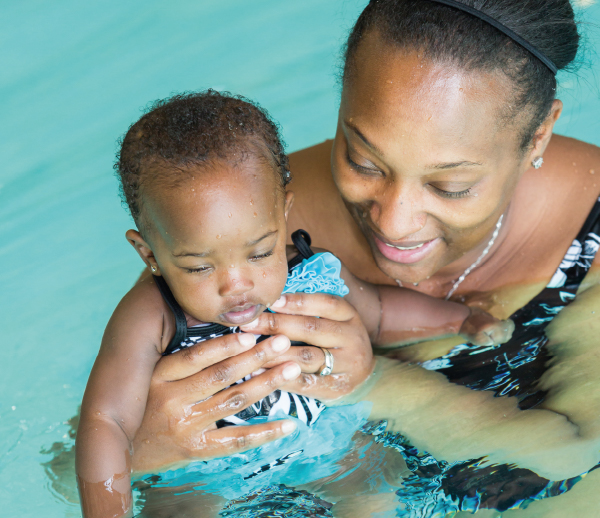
[242, 315]
[407, 254]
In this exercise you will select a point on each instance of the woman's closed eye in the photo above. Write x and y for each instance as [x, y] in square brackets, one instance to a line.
[361, 168]
[452, 194]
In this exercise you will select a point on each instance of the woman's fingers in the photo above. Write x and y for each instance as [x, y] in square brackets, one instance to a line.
[325, 388]
[238, 397]
[217, 377]
[194, 359]
[321, 332]
[236, 439]
[322, 304]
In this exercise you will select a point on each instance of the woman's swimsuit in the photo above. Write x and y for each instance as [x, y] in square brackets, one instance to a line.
[436, 487]
[307, 272]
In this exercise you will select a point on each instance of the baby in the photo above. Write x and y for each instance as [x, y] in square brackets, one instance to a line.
[205, 176]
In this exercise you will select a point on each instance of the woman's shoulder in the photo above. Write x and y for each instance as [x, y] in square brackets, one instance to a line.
[572, 160]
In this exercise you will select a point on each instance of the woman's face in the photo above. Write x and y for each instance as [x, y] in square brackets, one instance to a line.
[423, 158]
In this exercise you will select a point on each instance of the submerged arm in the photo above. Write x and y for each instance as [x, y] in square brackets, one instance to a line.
[399, 316]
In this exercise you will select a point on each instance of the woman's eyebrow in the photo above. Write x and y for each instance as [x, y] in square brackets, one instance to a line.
[452, 165]
[364, 139]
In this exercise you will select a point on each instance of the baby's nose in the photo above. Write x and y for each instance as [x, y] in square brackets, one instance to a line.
[234, 283]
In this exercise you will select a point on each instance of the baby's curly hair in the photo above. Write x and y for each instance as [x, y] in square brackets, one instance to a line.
[189, 129]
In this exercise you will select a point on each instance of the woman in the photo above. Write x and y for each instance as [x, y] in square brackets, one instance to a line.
[434, 181]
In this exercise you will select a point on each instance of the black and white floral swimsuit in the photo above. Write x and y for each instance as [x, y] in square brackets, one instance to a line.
[437, 488]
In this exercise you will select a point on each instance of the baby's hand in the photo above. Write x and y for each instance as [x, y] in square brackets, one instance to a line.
[481, 328]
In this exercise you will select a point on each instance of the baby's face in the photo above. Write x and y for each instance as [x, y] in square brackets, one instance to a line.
[219, 241]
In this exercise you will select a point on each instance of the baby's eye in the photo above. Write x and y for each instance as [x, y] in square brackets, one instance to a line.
[258, 257]
[201, 269]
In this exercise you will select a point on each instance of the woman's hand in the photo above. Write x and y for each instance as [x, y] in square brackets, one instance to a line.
[186, 399]
[324, 321]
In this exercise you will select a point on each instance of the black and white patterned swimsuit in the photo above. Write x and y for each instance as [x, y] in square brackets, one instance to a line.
[512, 369]
[303, 408]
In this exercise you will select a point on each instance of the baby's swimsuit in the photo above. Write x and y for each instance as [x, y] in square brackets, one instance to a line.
[307, 272]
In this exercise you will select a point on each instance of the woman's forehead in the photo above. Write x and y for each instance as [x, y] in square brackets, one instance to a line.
[397, 95]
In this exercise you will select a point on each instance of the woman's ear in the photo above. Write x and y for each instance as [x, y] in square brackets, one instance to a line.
[143, 249]
[544, 132]
[289, 201]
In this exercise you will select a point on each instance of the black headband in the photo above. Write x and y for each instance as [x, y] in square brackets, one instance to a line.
[502, 28]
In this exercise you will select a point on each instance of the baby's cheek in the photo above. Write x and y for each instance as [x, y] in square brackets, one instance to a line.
[275, 282]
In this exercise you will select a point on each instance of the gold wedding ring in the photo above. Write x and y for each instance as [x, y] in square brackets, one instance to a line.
[327, 367]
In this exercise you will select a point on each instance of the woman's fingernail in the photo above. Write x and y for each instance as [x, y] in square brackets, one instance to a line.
[279, 303]
[288, 427]
[251, 325]
[291, 372]
[247, 339]
[280, 343]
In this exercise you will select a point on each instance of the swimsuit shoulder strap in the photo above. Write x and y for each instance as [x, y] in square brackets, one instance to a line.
[180, 321]
[302, 241]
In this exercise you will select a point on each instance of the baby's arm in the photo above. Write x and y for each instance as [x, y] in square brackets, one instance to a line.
[115, 400]
[396, 316]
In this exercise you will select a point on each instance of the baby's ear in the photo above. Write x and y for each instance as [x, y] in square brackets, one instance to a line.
[143, 249]
[289, 201]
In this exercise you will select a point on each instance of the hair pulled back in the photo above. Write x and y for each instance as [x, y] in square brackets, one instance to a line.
[445, 34]
[191, 129]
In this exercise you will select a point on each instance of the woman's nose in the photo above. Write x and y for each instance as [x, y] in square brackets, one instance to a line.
[397, 212]
[234, 282]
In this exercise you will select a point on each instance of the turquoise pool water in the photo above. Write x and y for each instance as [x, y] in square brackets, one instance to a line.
[75, 74]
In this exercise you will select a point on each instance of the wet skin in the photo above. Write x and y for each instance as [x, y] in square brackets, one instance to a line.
[224, 270]
[401, 203]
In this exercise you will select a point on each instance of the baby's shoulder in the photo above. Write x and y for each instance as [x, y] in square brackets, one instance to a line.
[143, 312]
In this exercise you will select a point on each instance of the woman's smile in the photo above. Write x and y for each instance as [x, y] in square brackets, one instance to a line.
[408, 252]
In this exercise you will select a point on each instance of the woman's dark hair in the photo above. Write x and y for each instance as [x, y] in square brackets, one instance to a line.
[446, 34]
[193, 129]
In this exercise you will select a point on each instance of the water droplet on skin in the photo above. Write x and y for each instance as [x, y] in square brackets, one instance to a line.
[592, 171]
[232, 266]
[265, 275]
[230, 214]
[251, 201]
[218, 236]
[147, 441]
[255, 214]
[574, 163]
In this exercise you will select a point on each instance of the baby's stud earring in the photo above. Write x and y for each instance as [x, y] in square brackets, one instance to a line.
[537, 162]
[154, 269]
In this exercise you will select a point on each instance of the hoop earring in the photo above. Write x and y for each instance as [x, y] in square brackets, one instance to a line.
[537, 162]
